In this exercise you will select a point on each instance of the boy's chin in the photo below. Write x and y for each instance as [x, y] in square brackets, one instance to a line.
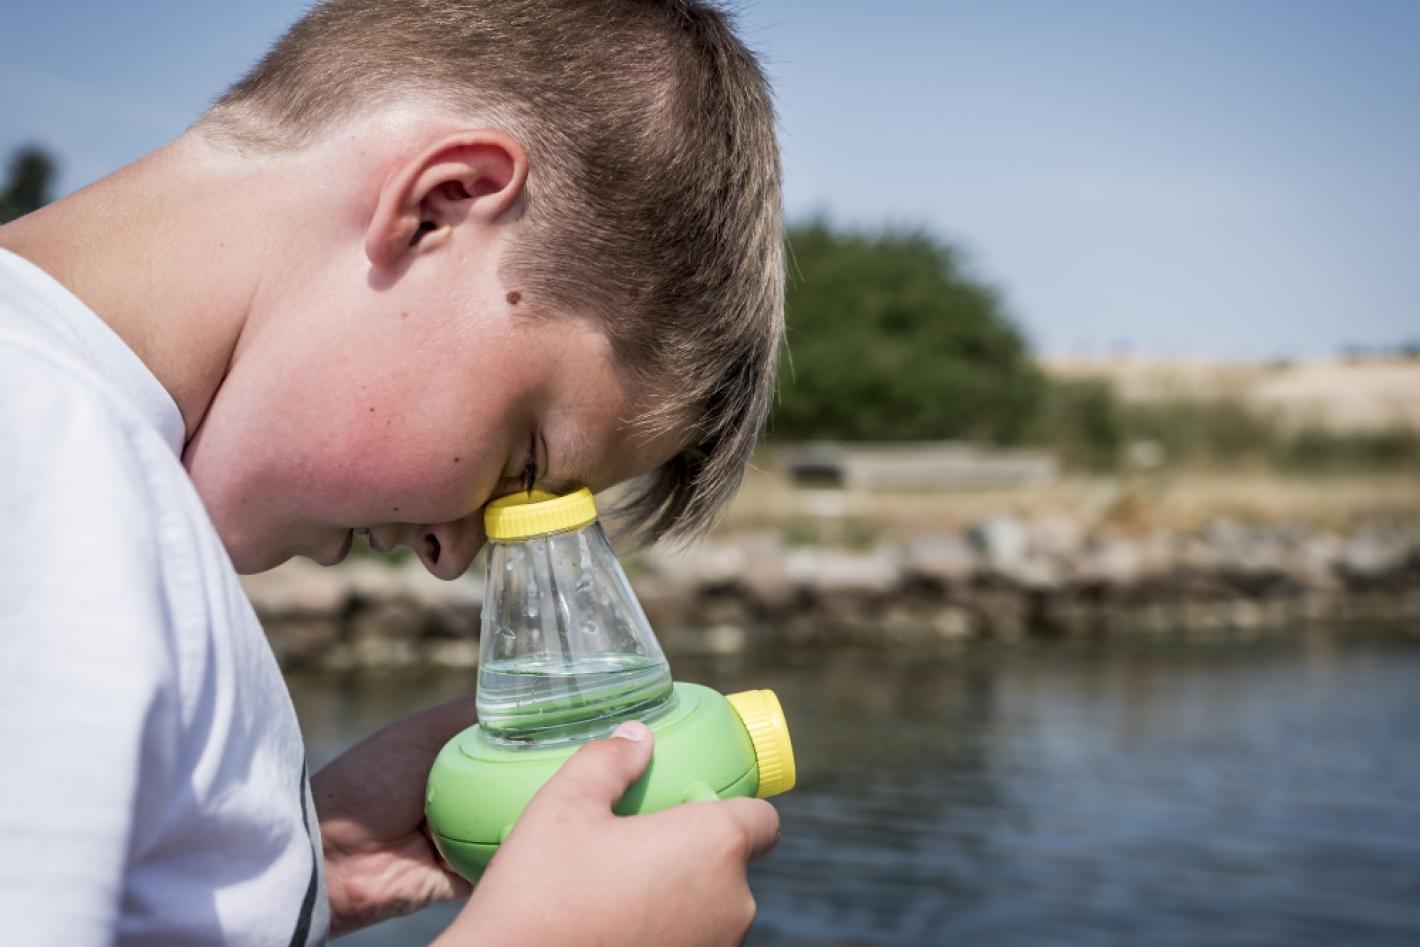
[252, 563]
[249, 558]
[249, 555]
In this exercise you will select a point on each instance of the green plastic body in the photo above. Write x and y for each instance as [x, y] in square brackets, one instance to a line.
[477, 790]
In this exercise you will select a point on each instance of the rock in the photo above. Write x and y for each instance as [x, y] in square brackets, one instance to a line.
[721, 637]
[841, 572]
[769, 587]
[414, 581]
[376, 581]
[1002, 541]
[940, 559]
[1111, 560]
[766, 577]
[1002, 614]
[303, 640]
[953, 623]
[1246, 615]
[297, 587]
[714, 610]
[384, 653]
[724, 639]
[667, 601]
[1371, 557]
[1058, 537]
[1320, 551]
[447, 621]
[760, 545]
[452, 653]
[1226, 535]
[398, 619]
[1038, 574]
[1197, 554]
[1158, 552]
[711, 562]
[339, 658]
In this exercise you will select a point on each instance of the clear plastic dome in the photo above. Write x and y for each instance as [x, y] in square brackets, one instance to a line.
[566, 652]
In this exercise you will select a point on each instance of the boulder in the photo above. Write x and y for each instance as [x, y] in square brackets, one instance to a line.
[1111, 560]
[1002, 542]
[841, 572]
[297, 587]
[1056, 536]
[710, 562]
[940, 559]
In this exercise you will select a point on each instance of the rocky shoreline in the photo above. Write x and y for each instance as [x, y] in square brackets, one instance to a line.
[1005, 579]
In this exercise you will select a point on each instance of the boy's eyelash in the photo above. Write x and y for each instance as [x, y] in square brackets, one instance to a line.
[530, 468]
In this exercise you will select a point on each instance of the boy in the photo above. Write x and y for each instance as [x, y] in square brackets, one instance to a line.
[425, 254]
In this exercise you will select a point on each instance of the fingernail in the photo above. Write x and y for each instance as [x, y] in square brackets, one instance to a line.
[633, 730]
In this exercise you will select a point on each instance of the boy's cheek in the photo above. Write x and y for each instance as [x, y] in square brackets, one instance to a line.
[376, 481]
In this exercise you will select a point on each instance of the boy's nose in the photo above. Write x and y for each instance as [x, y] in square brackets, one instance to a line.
[447, 549]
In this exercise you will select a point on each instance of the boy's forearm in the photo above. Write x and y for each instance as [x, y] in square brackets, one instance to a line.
[369, 801]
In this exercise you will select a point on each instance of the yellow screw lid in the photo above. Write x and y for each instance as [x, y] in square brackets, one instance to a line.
[769, 732]
[525, 515]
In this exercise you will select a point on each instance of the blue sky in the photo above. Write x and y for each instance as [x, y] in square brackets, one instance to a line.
[1187, 178]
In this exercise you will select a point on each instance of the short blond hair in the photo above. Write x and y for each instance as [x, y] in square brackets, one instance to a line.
[653, 193]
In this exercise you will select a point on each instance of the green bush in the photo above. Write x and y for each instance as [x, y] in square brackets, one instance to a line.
[1202, 430]
[1318, 449]
[1089, 426]
[1083, 423]
[890, 340]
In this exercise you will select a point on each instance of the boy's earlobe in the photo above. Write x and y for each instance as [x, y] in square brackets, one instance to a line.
[476, 174]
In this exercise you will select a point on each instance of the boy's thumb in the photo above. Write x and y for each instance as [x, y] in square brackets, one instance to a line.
[600, 772]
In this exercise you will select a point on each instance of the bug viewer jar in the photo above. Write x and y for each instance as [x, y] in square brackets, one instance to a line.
[566, 654]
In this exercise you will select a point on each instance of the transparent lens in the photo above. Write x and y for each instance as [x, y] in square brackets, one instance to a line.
[566, 651]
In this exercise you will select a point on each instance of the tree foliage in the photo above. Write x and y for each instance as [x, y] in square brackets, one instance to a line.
[27, 184]
[890, 340]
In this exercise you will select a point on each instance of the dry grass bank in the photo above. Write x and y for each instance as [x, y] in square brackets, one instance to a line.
[1173, 499]
[1344, 394]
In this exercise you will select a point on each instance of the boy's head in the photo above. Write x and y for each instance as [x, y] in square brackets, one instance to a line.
[559, 236]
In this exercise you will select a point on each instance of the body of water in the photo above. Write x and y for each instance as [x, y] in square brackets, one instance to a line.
[1238, 794]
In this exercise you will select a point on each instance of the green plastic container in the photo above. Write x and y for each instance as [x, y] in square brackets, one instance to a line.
[566, 654]
[477, 790]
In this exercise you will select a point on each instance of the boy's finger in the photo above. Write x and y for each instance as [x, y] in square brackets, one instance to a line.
[758, 820]
[600, 772]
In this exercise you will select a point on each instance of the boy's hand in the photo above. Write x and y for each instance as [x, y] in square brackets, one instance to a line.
[571, 872]
[379, 862]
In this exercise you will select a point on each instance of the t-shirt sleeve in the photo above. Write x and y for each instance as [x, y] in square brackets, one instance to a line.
[85, 662]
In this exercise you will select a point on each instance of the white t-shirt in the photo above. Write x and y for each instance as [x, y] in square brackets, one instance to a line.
[153, 786]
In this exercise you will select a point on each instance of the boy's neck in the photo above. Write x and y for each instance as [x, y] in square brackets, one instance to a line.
[138, 248]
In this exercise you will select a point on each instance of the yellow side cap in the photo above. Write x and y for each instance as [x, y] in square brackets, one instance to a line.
[769, 732]
[525, 515]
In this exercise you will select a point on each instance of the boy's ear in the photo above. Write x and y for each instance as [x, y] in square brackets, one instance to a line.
[475, 174]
